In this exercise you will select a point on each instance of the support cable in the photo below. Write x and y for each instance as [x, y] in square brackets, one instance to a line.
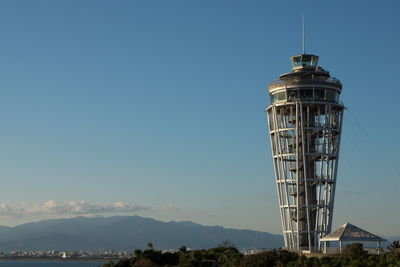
[375, 160]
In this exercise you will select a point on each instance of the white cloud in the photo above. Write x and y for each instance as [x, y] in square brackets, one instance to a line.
[170, 207]
[70, 207]
[5, 209]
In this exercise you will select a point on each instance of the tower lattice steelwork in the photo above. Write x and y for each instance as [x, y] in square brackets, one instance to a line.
[305, 122]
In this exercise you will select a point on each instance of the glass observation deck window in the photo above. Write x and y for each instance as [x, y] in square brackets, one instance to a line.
[304, 61]
[306, 94]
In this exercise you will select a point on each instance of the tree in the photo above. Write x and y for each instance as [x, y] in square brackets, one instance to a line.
[273, 258]
[395, 244]
[144, 262]
[230, 257]
[109, 264]
[355, 250]
[137, 252]
[123, 263]
[226, 244]
[150, 245]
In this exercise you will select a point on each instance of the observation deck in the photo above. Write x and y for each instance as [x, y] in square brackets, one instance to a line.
[306, 82]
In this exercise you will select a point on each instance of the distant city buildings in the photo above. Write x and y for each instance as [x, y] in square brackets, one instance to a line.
[73, 255]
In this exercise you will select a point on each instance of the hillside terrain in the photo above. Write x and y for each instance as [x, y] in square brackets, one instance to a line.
[126, 232]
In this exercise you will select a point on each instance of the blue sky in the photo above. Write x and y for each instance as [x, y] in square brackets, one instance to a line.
[156, 108]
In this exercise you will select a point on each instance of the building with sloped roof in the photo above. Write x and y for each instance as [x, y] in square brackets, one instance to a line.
[351, 233]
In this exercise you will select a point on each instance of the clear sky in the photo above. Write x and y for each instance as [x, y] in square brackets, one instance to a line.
[156, 108]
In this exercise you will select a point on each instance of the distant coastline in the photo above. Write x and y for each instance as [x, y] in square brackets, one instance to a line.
[58, 259]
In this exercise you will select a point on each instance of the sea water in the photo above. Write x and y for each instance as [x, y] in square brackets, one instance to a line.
[50, 264]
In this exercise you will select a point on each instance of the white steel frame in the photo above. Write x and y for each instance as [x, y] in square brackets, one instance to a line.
[305, 141]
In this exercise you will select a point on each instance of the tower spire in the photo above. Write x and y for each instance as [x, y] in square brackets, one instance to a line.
[303, 34]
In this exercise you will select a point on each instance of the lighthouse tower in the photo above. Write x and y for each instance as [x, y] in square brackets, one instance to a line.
[305, 122]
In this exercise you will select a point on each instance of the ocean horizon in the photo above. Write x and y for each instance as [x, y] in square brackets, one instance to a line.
[50, 263]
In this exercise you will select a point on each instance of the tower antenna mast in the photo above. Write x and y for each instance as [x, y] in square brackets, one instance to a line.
[303, 34]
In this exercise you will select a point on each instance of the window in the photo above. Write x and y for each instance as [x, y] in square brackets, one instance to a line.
[293, 95]
[281, 96]
[306, 94]
[273, 98]
[278, 97]
[337, 94]
[319, 95]
[304, 61]
[330, 95]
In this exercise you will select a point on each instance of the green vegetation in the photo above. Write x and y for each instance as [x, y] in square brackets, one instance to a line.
[395, 244]
[226, 255]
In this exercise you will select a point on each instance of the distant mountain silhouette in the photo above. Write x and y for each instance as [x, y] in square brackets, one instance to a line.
[126, 232]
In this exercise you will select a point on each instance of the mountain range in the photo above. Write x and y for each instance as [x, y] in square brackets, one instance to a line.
[126, 233]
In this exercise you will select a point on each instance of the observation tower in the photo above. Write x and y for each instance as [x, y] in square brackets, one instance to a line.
[305, 123]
